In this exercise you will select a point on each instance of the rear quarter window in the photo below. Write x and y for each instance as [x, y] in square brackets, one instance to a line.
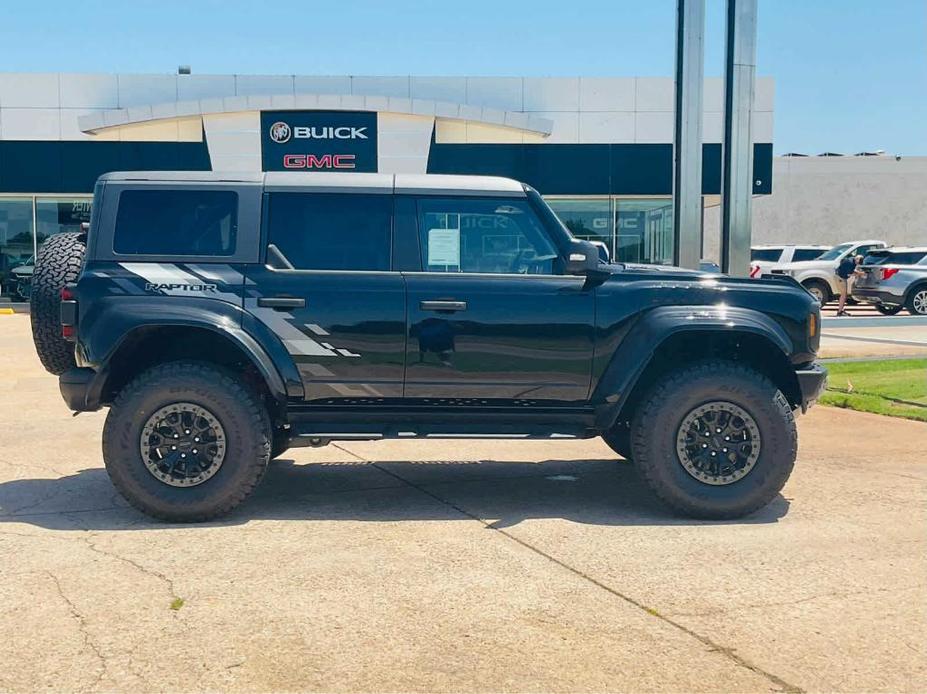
[176, 222]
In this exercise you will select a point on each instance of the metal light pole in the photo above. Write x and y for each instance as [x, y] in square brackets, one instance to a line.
[737, 163]
[687, 136]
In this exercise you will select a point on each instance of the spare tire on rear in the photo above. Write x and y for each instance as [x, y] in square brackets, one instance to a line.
[59, 262]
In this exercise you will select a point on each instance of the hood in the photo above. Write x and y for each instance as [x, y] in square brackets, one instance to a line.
[662, 269]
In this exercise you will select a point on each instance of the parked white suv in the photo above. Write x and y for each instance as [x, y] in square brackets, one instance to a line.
[765, 258]
[819, 276]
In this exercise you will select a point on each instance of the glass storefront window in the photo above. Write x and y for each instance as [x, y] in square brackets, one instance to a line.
[16, 248]
[58, 215]
[19, 241]
[586, 218]
[644, 231]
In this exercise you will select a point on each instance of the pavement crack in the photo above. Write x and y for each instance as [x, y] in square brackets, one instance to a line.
[131, 562]
[84, 632]
[724, 651]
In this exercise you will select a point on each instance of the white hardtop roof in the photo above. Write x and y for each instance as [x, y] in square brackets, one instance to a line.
[409, 183]
[763, 246]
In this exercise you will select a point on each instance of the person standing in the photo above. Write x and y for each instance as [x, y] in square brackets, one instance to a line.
[847, 271]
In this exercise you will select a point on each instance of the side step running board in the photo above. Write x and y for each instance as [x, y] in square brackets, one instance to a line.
[302, 438]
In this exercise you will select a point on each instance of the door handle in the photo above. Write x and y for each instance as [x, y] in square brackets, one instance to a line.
[449, 306]
[281, 302]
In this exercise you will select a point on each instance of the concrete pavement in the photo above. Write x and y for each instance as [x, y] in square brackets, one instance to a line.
[457, 566]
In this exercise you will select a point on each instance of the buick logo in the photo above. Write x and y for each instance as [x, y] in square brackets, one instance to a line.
[280, 132]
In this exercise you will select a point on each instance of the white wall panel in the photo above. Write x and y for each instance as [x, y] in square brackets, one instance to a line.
[653, 127]
[205, 86]
[380, 86]
[322, 84]
[604, 127]
[30, 123]
[713, 127]
[713, 96]
[551, 94]
[29, 89]
[88, 91]
[654, 94]
[566, 125]
[606, 93]
[762, 124]
[403, 142]
[137, 90]
[440, 88]
[263, 85]
[450, 131]
[498, 92]
[477, 133]
[234, 141]
[765, 94]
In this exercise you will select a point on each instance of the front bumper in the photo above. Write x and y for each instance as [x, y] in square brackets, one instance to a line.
[876, 296]
[811, 383]
[80, 388]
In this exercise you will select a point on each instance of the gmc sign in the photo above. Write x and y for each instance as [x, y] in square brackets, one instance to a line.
[319, 141]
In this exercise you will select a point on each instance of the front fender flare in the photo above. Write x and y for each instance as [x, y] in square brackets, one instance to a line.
[636, 351]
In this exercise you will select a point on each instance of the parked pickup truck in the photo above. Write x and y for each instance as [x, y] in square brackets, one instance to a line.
[224, 318]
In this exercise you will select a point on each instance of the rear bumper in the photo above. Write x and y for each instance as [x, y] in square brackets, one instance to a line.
[876, 296]
[811, 383]
[80, 389]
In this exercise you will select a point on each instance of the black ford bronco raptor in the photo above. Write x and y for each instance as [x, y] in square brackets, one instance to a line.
[224, 318]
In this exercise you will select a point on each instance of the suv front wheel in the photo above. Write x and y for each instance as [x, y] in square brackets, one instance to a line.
[714, 440]
[186, 442]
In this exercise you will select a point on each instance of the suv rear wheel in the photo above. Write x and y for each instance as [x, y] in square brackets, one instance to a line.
[59, 262]
[714, 440]
[186, 442]
[917, 302]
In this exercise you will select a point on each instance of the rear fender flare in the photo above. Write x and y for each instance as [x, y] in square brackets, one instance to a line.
[122, 318]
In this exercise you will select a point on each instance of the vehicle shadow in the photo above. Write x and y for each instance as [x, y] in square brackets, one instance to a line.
[502, 494]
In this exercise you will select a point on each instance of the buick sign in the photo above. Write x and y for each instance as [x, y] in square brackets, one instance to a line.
[319, 141]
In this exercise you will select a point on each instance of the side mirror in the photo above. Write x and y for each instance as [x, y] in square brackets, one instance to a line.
[604, 254]
[583, 259]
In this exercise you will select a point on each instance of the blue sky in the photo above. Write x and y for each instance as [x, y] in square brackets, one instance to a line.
[850, 75]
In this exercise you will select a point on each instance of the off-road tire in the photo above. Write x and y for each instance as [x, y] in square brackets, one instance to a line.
[59, 262]
[280, 443]
[618, 439]
[822, 287]
[239, 411]
[661, 412]
[888, 309]
[917, 301]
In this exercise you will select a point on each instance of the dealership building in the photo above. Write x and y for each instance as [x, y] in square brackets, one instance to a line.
[598, 148]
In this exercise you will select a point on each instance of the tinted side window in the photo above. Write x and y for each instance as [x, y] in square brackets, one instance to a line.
[176, 222]
[765, 254]
[806, 254]
[484, 235]
[331, 231]
[906, 258]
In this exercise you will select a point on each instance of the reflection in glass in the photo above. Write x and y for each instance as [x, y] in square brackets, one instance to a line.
[58, 215]
[644, 231]
[16, 248]
[586, 218]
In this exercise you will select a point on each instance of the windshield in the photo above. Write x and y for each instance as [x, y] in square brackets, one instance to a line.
[836, 252]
